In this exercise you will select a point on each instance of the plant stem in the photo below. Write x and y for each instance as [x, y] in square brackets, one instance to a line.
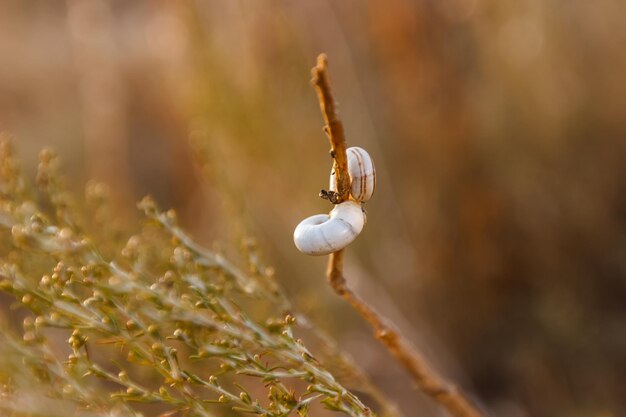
[334, 130]
[427, 379]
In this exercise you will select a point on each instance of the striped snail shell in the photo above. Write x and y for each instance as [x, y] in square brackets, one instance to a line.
[362, 174]
[327, 233]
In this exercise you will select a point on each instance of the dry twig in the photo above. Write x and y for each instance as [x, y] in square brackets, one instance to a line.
[428, 381]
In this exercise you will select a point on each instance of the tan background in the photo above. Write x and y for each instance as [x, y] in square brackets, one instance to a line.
[497, 235]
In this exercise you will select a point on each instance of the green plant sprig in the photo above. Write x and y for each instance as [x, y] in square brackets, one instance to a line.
[164, 311]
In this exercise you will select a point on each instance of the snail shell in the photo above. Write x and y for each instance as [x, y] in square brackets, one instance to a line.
[323, 234]
[362, 174]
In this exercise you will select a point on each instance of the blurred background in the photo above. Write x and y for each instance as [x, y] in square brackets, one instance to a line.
[497, 236]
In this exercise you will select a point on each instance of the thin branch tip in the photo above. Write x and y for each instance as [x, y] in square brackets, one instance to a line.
[321, 66]
[322, 60]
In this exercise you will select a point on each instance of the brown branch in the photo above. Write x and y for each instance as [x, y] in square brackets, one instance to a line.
[334, 130]
[427, 379]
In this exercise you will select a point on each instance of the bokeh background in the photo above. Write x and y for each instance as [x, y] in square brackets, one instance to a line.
[497, 235]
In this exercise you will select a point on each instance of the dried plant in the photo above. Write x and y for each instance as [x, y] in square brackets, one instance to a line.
[156, 325]
[431, 383]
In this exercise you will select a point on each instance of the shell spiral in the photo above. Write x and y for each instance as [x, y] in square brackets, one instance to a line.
[327, 233]
[362, 174]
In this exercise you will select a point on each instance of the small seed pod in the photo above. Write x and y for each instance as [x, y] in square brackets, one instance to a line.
[323, 234]
[362, 174]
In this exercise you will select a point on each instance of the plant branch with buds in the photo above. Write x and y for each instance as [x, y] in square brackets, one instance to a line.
[161, 319]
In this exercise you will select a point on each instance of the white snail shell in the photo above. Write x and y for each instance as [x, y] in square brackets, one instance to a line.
[323, 234]
[362, 174]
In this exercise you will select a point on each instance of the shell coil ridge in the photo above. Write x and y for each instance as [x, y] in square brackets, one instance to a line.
[322, 234]
[362, 174]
